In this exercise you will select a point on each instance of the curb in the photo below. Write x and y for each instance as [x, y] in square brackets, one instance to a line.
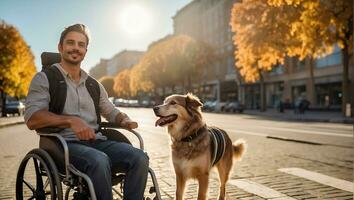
[11, 124]
[294, 119]
[305, 141]
[292, 140]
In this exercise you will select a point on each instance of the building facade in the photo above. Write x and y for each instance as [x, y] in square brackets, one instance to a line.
[122, 60]
[292, 81]
[208, 21]
[99, 70]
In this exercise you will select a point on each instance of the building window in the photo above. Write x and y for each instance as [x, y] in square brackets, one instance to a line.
[300, 64]
[329, 95]
[277, 69]
[330, 60]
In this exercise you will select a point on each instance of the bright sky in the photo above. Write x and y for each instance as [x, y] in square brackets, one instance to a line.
[115, 25]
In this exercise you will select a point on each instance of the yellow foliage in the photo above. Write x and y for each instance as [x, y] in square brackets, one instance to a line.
[169, 62]
[321, 25]
[261, 36]
[122, 83]
[16, 62]
[268, 30]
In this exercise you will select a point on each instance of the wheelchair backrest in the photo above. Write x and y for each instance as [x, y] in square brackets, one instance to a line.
[49, 58]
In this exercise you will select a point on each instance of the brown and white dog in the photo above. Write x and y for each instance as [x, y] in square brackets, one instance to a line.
[192, 146]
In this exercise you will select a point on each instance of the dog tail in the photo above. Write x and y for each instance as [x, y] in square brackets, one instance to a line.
[239, 148]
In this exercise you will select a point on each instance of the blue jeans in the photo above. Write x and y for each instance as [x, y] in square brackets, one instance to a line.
[99, 159]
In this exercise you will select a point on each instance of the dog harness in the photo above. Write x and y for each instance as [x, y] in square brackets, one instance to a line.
[218, 144]
[217, 140]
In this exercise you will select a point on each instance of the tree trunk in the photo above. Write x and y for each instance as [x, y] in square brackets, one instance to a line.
[163, 91]
[263, 106]
[345, 79]
[3, 100]
[184, 86]
[173, 89]
[189, 84]
[310, 90]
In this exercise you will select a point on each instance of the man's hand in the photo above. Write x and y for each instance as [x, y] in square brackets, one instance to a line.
[128, 123]
[82, 130]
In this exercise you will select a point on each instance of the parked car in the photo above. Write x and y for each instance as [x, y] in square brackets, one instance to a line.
[14, 107]
[133, 103]
[121, 102]
[220, 106]
[147, 103]
[234, 106]
[209, 106]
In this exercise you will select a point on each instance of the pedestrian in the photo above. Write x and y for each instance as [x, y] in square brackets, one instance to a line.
[281, 106]
[297, 105]
[90, 151]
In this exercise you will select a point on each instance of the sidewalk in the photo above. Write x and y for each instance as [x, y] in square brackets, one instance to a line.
[13, 120]
[308, 116]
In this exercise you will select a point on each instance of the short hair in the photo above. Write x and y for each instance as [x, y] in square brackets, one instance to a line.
[80, 28]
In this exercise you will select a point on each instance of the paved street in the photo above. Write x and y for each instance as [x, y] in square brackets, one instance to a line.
[285, 160]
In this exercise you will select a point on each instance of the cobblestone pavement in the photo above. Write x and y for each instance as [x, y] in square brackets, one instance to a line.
[261, 163]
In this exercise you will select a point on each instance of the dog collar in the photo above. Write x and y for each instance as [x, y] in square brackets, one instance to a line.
[189, 138]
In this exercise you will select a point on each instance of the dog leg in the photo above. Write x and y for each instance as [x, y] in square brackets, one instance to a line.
[181, 183]
[203, 181]
[224, 168]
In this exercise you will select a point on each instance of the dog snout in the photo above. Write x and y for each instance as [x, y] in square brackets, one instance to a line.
[156, 109]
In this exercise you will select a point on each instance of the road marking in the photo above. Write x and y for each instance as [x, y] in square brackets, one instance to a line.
[246, 132]
[309, 132]
[320, 178]
[292, 130]
[259, 190]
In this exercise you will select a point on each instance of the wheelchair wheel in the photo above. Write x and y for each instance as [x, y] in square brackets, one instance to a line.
[44, 183]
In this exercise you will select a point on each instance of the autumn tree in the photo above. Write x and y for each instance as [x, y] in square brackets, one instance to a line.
[121, 85]
[153, 68]
[139, 80]
[108, 83]
[174, 61]
[268, 30]
[16, 62]
[262, 38]
[197, 56]
[322, 25]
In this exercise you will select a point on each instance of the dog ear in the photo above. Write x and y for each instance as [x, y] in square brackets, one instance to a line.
[193, 101]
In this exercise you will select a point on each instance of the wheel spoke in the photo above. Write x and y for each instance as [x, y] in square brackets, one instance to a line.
[46, 184]
[29, 186]
[38, 175]
[31, 198]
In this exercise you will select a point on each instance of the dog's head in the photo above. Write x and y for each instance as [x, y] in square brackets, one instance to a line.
[178, 110]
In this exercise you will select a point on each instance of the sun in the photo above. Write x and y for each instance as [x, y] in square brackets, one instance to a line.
[135, 20]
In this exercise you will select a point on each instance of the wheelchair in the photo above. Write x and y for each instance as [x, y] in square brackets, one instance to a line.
[53, 172]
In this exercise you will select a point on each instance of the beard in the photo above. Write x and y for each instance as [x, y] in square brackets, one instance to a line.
[77, 58]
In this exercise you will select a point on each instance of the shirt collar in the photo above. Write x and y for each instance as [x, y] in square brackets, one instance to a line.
[83, 74]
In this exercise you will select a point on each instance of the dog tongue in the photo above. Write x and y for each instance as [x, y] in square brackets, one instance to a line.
[163, 120]
[159, 121]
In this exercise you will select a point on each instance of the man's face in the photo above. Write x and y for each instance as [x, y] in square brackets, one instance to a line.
[74, 48]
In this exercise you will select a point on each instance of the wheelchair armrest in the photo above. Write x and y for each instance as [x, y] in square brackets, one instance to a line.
[104, 125]
[110, 125]
[49, 130]
[63, 145]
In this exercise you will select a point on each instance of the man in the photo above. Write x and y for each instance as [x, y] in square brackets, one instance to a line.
[90, 152]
